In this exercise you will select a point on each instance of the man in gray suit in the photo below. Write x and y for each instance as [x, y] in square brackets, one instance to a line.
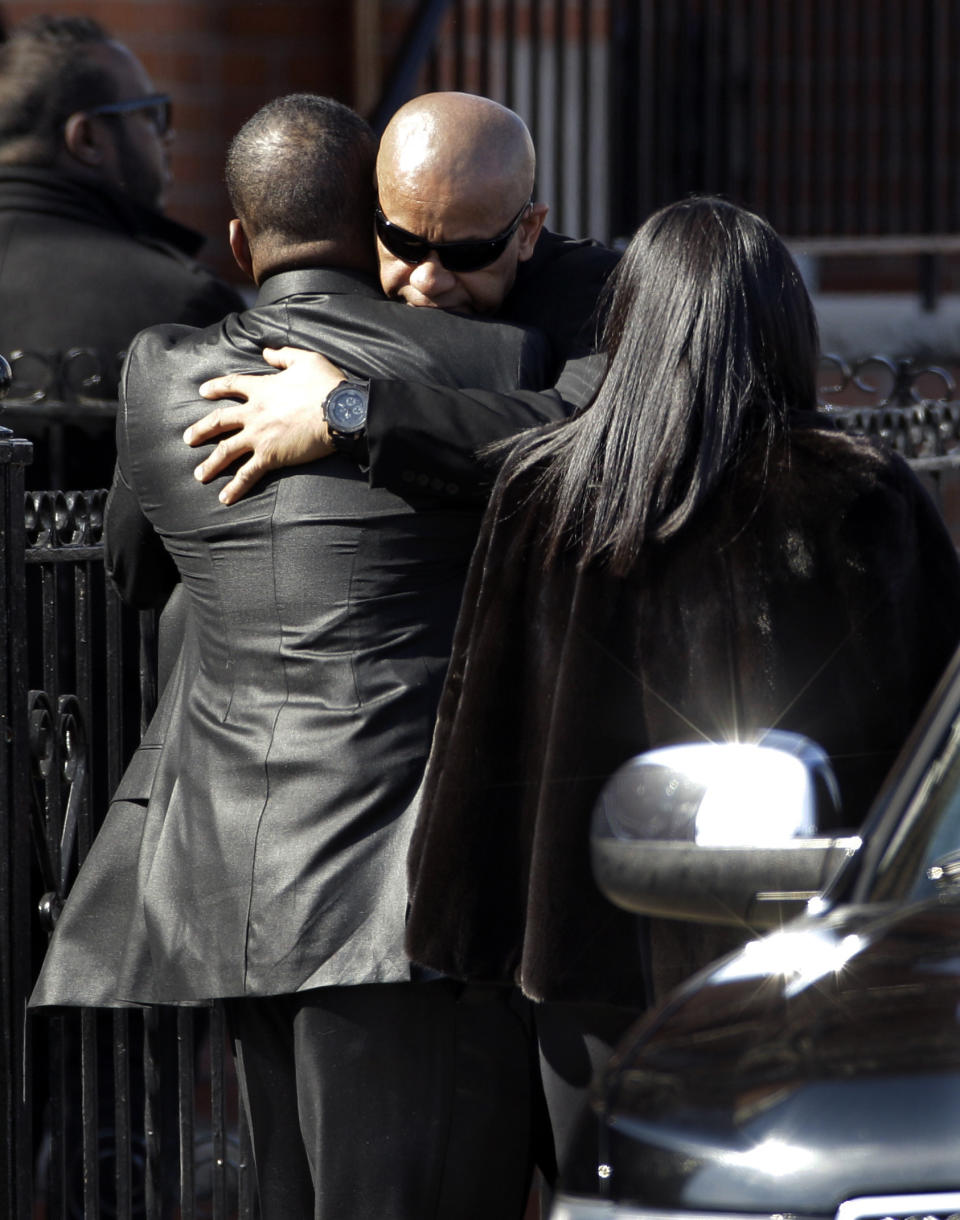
[256, 848]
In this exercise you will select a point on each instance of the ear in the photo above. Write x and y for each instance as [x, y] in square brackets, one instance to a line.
[83, 142]
[240, 247]
[530, 228]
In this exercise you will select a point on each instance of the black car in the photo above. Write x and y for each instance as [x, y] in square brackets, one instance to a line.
[816, 1072]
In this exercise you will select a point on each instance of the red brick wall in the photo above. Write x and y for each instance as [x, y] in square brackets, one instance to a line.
[222, 59]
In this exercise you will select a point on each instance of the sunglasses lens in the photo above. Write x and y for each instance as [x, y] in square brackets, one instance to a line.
[406, 247]
[472, 256]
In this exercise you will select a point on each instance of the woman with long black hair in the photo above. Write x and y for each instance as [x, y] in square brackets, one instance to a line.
[698, 554]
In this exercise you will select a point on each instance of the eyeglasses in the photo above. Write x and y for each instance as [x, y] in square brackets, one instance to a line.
[454, 255]
[160, 104]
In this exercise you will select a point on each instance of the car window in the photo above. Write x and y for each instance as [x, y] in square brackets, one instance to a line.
[928, 831]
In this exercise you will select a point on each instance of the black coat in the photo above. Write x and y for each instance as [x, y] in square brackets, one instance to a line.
[257, 842]
[410, 425]
[82, 267]
[826, 601]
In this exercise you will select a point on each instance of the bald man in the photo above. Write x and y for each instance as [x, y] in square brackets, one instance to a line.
[457, 229]
[452, 166]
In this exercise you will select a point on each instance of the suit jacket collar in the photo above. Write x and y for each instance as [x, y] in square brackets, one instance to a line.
[334, 281]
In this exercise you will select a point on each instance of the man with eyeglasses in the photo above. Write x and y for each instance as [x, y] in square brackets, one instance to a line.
[87, 258]
[456, 229]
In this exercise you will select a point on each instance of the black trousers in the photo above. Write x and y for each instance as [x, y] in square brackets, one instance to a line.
[390, 1101]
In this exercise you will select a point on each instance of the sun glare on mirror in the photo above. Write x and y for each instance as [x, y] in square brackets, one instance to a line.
[753, 795]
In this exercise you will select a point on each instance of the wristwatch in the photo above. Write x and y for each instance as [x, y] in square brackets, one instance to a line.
[345, 413]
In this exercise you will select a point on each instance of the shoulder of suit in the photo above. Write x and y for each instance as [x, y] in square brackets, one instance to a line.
[160, 355]
[155, 340]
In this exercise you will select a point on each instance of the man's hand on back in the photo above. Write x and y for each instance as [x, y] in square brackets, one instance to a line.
[276, 418]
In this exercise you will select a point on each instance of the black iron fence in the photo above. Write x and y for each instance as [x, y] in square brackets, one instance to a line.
[130, 1113]
[65, 402]
[133, 1113]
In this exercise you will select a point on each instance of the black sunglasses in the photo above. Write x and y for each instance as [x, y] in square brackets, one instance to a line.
[454, 255]
[159, 103]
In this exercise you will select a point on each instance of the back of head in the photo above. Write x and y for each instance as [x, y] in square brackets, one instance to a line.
[708, 306]
[300, 173]
[712, 342]
[46, 74]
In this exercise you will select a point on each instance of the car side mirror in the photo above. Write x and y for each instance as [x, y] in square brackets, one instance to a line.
[720, 832]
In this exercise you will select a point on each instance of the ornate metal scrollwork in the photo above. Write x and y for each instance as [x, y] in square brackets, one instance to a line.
[884, 381]
[64, 518]
[74, 766]
[909, 406]
[59, 751]
[78, 376]
[40, 721]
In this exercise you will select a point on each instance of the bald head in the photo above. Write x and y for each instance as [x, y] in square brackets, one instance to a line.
[446, 145]
[454, 168]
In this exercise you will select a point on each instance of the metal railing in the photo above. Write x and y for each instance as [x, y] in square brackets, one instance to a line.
[127, 1113]
[911, 407]
[65, 402]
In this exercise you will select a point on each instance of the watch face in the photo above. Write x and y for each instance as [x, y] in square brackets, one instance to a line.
[347, 409]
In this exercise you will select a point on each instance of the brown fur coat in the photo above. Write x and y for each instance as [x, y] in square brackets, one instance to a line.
[825, 600]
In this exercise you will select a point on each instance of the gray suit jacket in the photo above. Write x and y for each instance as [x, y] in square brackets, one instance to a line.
[257, 843]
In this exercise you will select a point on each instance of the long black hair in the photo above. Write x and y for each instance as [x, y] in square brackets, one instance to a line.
[711, 341]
